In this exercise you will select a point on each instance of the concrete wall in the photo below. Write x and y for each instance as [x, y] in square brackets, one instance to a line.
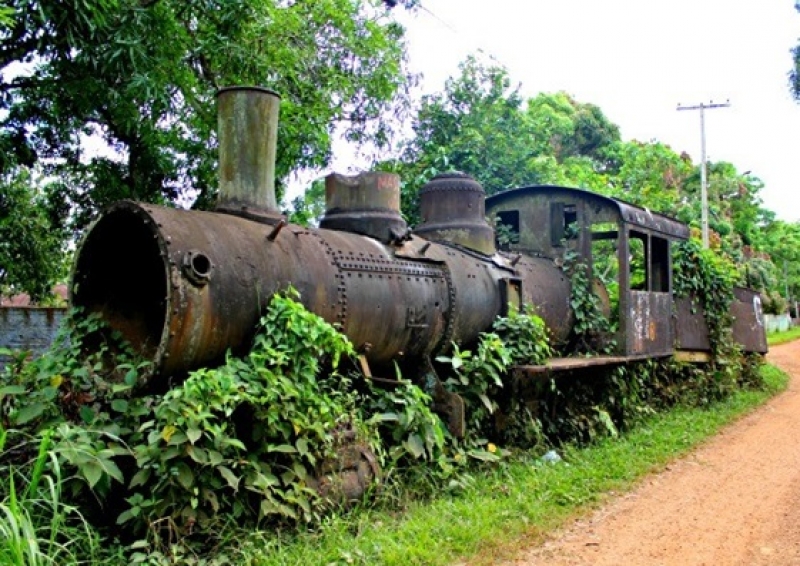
[28, 328]
[777, 322]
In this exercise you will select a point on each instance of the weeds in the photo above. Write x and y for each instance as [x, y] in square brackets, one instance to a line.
[36, 527]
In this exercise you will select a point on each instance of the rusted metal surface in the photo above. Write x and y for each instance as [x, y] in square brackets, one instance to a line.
[748, 328]
[691, 328]
[551, 221]
[475, 298]
[537, 200]
[367, 204]
[186, 286]
[546, 287]
[390, 306]
[648, 324]
[248, 130]
[560, 365]
[748, 320]
[453, 211]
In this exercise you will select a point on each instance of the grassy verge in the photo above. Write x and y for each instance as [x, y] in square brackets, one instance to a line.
[510, 507]
[777, 338]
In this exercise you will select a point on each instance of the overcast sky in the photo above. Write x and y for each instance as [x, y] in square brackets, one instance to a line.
[637, 60]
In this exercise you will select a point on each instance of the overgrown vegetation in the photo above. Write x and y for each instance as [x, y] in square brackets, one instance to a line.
[289, 434]
[592, 331]
[270, 439]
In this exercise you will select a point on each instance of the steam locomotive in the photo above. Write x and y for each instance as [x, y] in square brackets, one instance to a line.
[184, 287]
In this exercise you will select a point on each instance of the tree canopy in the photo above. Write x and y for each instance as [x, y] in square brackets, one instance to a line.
[140, 77]
[31, 248]
[115, 98]
[480, 124]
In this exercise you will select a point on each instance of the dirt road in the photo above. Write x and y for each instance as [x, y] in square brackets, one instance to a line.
[734, 501]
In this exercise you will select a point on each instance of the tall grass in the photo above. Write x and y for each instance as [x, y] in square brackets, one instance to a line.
[36, 527]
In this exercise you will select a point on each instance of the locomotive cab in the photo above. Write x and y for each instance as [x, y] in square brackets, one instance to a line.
[625, 252]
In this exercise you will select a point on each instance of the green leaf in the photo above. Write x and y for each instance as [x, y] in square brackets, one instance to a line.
[185, 476]
[113, 470]
[415, 446]
[284, 448]
[483, 455]
[232, 479]
[126, 516]
[214, 458]
[140, 477]
[178, 438]
[49, 393]
[140, 544]
[29, 413]
[264, 481]
[197, 454]
[119, 405]
[385, 418]
[87, 414]
[92, 471]
[131, 377]
[13, 389]
[193, 434]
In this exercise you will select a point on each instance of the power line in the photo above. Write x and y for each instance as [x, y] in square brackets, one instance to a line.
[703, 179]
[475, 46]
[441, 21]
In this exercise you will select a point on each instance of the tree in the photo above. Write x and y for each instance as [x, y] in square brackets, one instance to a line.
[781, 245]
[649, 174]
[140, 76]
[309, 208]
[482, 126]
[31, 247]
[478, 123]
[570, 128]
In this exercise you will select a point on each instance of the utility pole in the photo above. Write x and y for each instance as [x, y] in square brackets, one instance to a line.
[703, 180]
[786, 286]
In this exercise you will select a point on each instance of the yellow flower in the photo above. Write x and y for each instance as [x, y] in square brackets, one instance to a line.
[56, 380]
[491, 448]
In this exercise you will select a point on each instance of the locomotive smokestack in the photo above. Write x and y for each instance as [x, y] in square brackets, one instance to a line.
[248, 132]
[367, 204]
